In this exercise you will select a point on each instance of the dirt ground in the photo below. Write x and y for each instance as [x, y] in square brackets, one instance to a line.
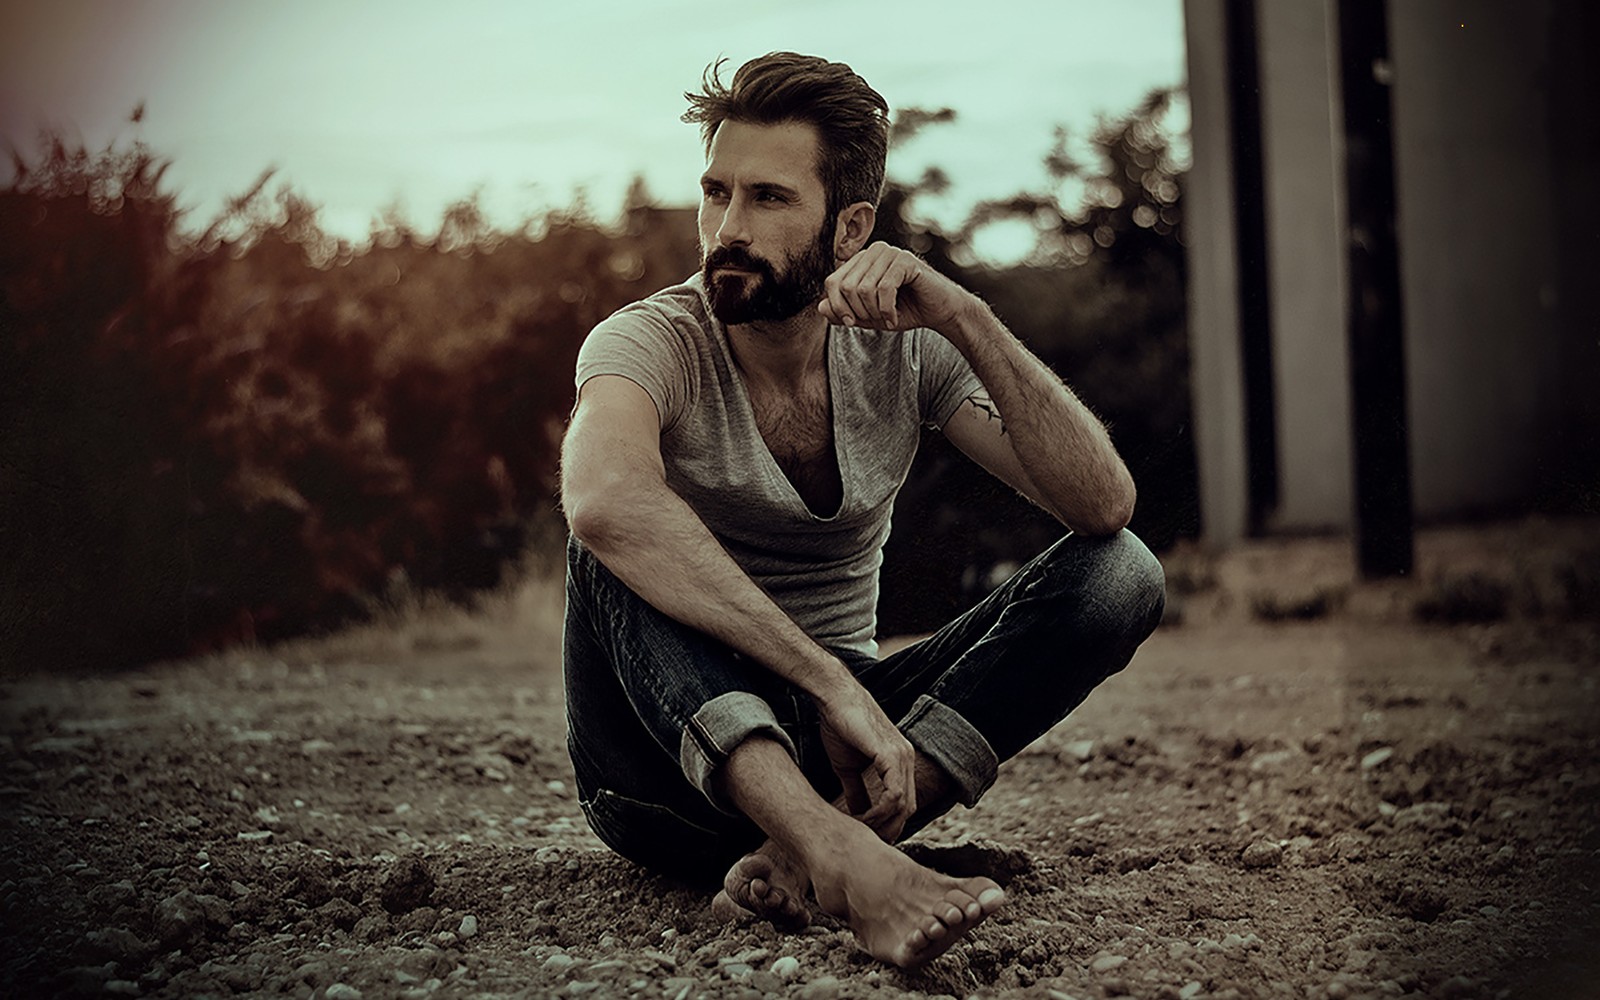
[1301, 787]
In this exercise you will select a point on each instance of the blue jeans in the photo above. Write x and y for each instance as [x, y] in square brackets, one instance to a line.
[654, 707]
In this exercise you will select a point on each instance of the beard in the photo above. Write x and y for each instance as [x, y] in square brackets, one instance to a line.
[763, 295]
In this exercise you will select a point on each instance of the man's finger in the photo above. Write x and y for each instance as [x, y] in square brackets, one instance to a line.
[878, 291]
[855, 792]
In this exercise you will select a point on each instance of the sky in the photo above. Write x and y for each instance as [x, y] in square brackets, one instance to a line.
[361, 105]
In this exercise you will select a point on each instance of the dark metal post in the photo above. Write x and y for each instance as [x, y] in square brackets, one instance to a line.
[1250, 235]
[1377, 347]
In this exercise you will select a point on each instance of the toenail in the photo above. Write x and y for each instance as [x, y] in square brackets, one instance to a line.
[991, 896]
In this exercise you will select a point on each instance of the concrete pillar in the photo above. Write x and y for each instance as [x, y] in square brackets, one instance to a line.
[1304, 214]
[1217, 384]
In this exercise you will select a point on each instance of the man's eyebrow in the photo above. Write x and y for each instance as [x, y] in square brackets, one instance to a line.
[773, 187]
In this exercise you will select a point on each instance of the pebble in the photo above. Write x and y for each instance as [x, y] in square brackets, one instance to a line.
[661, 958]
[1190, 990]
[786, 968]
[1376, 757]
[1105, 963]
[578, 987]
[1080, 750]
[339, 991]
[820, 988]
[469, 926]
[736, 970]
[1262, 854]
[559, 962]
[678, 987]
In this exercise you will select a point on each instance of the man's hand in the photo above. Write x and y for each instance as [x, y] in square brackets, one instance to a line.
[874, 761]
[886, 288]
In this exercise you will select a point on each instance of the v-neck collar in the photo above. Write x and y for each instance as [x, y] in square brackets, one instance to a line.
[747, 412]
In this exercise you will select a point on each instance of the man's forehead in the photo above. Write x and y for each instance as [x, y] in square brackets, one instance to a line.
[784, 154]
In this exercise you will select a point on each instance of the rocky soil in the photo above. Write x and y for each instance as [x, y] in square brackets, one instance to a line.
[1302, 787]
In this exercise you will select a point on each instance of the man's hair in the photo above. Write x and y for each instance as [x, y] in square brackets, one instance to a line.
[851, 119]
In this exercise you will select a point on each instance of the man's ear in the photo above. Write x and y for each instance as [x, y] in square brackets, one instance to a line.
[852, 229]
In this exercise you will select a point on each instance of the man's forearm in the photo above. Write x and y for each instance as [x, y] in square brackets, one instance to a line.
[1064, 448]
[655, 543]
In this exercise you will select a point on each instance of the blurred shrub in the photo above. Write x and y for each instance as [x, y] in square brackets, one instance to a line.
[235, 436]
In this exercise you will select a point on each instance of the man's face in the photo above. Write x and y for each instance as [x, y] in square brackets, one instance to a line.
[766, 242]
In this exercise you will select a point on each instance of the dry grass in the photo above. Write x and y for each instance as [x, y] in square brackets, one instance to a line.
[517, 623]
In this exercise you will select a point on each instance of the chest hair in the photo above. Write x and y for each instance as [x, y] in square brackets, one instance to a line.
[798, 431]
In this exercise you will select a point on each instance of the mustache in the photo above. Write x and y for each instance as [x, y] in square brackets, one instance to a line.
[740, 258]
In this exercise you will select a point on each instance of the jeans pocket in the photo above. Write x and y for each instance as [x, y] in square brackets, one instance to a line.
[655, 837]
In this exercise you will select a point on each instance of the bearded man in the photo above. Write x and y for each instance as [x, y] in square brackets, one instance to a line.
[728, 477]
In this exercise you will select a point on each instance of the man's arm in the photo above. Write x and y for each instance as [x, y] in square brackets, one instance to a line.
[1027, 427]
[618, 503]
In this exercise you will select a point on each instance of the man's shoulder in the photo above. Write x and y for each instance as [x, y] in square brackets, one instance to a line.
[680, 307]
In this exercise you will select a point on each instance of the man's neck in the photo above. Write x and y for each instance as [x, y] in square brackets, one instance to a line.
[782, 354]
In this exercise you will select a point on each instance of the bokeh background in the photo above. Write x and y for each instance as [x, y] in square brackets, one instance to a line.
[290, 294]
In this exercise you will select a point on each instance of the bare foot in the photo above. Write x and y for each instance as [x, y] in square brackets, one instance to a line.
[900, 911]
[770, 885]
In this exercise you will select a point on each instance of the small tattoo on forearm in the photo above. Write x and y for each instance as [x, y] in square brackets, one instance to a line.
[984, 404]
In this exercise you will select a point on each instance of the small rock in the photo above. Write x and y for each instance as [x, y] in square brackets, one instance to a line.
[1079, 750]
[559, 962]
[679, 987]
[820, 988]
[786, 968]
[340, 991]
[1376, 757]
[579, 987]
[122, 987]
[446, 939]
[256, 836]
[1456, 987]
[341, 912]
[1105, 963]
[1190, 990]
[116, 943]
[469, 927]
[407, 885]
[736, 970]
[1262, 854]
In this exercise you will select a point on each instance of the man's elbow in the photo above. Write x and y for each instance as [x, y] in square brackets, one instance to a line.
[1111, 514]
[591, 518]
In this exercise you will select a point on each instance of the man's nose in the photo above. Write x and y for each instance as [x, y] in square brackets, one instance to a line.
[733, 231]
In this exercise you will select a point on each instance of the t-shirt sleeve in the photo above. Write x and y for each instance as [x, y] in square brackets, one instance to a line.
[944, 378]
[645, 349]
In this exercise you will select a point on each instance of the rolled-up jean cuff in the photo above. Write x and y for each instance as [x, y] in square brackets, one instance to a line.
[720, 725]
[949, 740]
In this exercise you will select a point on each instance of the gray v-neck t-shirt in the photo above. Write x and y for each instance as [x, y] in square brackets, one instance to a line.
[822, 571]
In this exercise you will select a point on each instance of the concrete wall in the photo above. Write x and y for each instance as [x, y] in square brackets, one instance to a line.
[1478, 246]
[1497, 133]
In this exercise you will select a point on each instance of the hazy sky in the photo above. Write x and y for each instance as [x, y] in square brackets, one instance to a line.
[361, 104]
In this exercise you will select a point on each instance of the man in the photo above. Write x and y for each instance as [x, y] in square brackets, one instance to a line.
[728, 475]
